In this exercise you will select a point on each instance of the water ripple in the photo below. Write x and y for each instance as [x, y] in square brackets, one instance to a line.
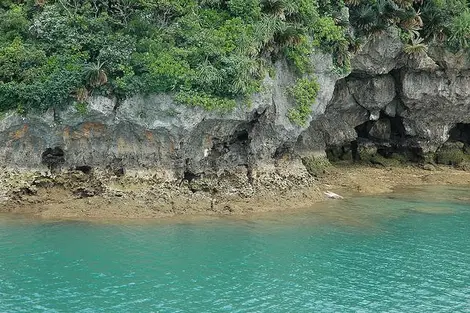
[382, 256]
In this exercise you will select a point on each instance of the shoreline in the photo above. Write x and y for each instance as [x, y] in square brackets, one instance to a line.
[144, 200]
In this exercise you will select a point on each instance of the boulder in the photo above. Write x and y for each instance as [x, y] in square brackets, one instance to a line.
[379, 55]
[381, 129]
[373, 93]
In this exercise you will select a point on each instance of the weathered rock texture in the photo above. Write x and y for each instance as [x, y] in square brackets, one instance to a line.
[389, 101]
[394, 103]
[156, 133]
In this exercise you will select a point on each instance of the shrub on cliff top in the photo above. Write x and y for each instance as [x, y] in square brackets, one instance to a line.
[447, 21]
[208, 52]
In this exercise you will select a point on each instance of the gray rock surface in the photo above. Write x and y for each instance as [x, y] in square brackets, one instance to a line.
[394, 100]
[380, 54]
[381, 130]
[154, 132]
[373, 93]
[387, 100]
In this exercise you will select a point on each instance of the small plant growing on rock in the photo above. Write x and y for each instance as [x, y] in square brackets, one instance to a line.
[304, 93]
[95, 74]
[20, 109]
[81, 94]
[416, 46]
[316, 166]
[81, 107]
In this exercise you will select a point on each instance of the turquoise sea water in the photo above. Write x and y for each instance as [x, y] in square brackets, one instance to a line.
[399, 253]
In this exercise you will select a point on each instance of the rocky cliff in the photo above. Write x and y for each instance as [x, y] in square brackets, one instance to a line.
[393, 104]
[390, 104]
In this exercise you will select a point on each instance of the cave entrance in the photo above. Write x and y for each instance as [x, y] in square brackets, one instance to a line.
[53, 158]
[386, 128]
[377, 140]
[460, 132]
[456, 150]
[228, 151]
[234, 146]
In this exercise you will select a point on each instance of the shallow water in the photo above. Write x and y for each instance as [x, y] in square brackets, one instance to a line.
[404, 252]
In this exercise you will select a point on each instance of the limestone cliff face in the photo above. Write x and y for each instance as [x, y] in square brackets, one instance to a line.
[393, 102]
[155, 133]
[389, 101]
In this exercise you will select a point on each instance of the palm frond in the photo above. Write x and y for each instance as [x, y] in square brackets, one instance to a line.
[277, 8]
[291, 36]
[416, 46]
[364, 17]
[207, 74]
[95, 74]
[352, 2]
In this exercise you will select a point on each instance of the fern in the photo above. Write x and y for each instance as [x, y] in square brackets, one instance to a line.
[416, 46]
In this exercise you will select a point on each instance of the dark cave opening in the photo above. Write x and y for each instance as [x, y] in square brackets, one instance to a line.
[282, 151]
[227, 151]
[386, 128]
[397, 129]
[363, 129]
[460, 132]
[85, 169]
[241, 136]
[236, 144]
[456, 150]
[53, 158]
[384, 138]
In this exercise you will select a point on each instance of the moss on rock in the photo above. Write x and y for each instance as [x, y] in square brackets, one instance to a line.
[429, 157]
[316, 165]
[452, 153]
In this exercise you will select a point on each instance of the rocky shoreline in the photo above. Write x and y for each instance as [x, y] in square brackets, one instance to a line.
[388, 105]
[147, 194]
[101, 196]
[148, 156]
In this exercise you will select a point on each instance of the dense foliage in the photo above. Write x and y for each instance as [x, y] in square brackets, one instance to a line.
[421, 21]
[208, 53]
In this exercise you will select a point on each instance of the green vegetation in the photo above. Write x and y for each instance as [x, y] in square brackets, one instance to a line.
[416, 45]
[207, 53]
[304, 93]
[452, 153]
[81, 107]
[421, 21]
[378, 159]
[206, 101]
[316, 165]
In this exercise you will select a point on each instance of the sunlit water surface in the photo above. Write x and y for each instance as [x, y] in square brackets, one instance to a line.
[405, 252]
